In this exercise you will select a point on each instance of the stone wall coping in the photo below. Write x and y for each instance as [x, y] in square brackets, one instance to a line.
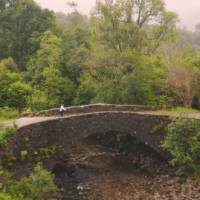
[72, 116]
[92, 108]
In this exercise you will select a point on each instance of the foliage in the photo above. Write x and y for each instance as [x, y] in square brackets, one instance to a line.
[9, 64]
[45, 72]
[24, 154]
[122, 66]
[13, 93]
[120, 27]
[18, 94]
[22, 22]
[183, 142]
[183, 110]
[39, 185]
[5, 134]
[127, 52]
[85, 93]
[59, 90]
[109, 82]
[45, 153]
[4, 196]
[72, 20]
[48, 55]
[8, 113]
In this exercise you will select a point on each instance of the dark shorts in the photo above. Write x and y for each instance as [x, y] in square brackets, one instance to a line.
[62, 113]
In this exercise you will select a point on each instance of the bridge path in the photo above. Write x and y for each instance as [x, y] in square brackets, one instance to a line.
[25, 121]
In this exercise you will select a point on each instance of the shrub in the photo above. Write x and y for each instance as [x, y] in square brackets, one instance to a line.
[38, 186]
[183, 142]
[24, 154]
[5, 134]
[8, 113]
[18, 95]
[4, 196]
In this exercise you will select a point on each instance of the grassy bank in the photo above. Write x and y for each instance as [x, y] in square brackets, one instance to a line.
[7, 114]
[175, 111]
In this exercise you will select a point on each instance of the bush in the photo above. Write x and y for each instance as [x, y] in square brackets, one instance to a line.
[8, 113]
[18, 95]
[183, 142]
[38, 186]
[5, 134]
[4, 196]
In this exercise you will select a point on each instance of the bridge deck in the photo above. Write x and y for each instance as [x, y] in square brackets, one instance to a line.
[25, 121]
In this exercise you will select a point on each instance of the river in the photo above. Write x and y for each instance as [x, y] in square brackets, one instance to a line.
[106, 167]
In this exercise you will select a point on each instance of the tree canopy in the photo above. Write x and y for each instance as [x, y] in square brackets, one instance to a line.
[126, 52]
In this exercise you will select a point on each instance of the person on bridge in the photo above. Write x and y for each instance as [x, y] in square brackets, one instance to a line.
[62, 109]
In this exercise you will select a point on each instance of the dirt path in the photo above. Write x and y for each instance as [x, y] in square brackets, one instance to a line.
[27, 121]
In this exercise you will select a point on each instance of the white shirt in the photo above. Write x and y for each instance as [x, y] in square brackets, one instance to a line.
[62, 108]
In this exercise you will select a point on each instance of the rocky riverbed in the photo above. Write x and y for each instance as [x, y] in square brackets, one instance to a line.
[110, 167]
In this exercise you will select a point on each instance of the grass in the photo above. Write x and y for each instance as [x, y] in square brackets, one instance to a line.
[175, 111]
[182, 110]
[7, 114]
[1, 128]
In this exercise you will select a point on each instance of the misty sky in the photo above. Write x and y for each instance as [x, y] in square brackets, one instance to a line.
[188, 10]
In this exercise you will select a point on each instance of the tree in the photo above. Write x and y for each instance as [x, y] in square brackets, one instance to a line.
[47, 74]
[183, 142]
[22, 22]
[72, 4]
[123, 59]
[48, 55]
[128, 78]
[6, 3]
[72, 20]
[18, 95]
[58, 89]
[13, 92]
[141, 24]
[181, 79]
[147, 85]
[7, 78]
[39, 185]
[10, 64]
[179, 61]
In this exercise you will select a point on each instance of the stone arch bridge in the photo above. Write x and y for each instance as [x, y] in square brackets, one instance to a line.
[50, 138]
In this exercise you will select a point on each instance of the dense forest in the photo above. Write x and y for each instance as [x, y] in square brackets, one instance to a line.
[125, 52]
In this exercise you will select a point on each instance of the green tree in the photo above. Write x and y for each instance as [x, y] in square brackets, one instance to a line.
[76, 49]
[143, 24]
[10, 64]
[7, 78]
[58, 89]
[39, 185]
[124, 64]
[183, 142]
[47, 73]
[48, 55]
[22, 22]
[18, 95]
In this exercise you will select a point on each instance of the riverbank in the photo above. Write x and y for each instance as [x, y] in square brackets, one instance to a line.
[102, 167]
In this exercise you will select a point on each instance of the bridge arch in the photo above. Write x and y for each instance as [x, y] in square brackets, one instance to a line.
[62, 133]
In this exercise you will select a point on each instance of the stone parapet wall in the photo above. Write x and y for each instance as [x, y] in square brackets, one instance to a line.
[93, 108]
